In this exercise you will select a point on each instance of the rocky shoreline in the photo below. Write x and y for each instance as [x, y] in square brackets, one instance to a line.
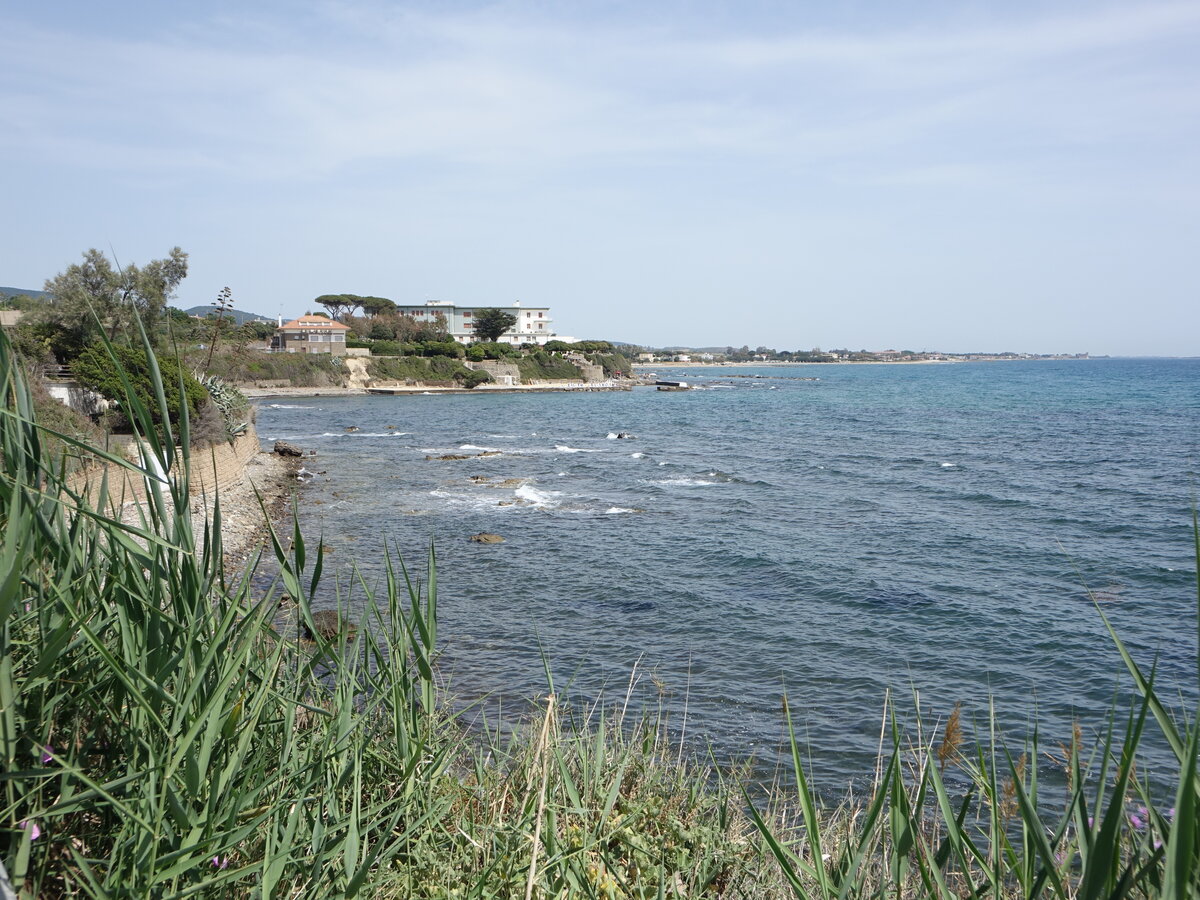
[243, 525]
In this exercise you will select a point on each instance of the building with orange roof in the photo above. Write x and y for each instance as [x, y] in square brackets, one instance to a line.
[311, 334]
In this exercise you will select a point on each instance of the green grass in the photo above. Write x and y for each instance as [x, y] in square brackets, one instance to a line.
[248, 367]
[416, 368]
[162, 736]
[542, 366]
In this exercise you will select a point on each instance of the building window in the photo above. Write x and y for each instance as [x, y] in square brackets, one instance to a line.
[539, 315]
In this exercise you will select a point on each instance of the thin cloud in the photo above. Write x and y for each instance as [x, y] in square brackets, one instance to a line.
[476, 91]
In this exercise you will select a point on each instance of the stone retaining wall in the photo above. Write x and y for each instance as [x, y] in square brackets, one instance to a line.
[213, 468]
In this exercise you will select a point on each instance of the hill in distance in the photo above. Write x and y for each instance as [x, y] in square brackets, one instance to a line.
[6, 292]
[238, 316]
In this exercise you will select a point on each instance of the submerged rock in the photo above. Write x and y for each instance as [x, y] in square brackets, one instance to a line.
[328, 625]
[485, 538]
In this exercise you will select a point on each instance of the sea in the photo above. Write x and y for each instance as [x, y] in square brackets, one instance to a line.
[848, 535]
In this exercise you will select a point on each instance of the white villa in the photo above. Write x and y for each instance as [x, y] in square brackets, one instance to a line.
[533, 322]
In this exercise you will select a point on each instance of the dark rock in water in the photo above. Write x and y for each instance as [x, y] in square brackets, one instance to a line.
[479, 479]
[352, 428]
[283, 448]
[450, 456]
[484, 538]
[328, 625]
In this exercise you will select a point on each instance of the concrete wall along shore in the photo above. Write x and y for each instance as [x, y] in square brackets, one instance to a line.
[212, 469]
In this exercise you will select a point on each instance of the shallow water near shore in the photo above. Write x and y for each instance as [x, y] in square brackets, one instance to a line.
[926, 528]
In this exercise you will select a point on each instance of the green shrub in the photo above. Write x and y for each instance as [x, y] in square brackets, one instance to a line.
[542, 366]
[495, 350]
[416, 368]
[612, 363]
[94, 369]
[237, 366]
[474, 378]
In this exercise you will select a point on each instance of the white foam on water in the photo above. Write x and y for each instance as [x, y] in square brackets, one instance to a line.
[477, 447]
[288, 406]
[612, 435]
[949, 465]
[472, 500]
[534, 497]
[563, 448]
[686, 482]
[618, 510]
[636, 455]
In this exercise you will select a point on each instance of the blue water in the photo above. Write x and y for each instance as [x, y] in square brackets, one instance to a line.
[930, 528]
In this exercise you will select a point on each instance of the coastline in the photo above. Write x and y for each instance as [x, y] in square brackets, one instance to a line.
[253, 393]
[243, 525]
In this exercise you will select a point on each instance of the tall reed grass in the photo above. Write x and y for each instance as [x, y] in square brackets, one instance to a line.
[162, 735]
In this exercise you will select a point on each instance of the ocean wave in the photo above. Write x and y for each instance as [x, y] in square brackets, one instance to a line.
[563, 448]
[288, 406]
[539, 499]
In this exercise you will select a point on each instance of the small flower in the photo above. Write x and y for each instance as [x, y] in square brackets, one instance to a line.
[1091, 822]
[1171, 814]
[1157, 844]
[32, 828]
[220, 862]
[1137, 822]
[47, 754]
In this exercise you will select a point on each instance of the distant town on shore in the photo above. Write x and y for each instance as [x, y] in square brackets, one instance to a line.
[533, 325]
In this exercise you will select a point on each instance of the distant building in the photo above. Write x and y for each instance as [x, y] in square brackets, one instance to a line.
[311, 334]
[532, 327]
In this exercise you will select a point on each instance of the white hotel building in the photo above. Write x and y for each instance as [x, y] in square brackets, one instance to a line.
[532, 327]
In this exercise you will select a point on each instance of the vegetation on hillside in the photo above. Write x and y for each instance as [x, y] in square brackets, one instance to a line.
[416, 368]
[538, 365]
[250, 367]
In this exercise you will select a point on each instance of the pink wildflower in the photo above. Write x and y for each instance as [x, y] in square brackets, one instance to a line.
[220, 862]
[47, 754]
[32, 828]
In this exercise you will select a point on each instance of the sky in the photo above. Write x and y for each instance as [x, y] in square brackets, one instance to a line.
[961, 176]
